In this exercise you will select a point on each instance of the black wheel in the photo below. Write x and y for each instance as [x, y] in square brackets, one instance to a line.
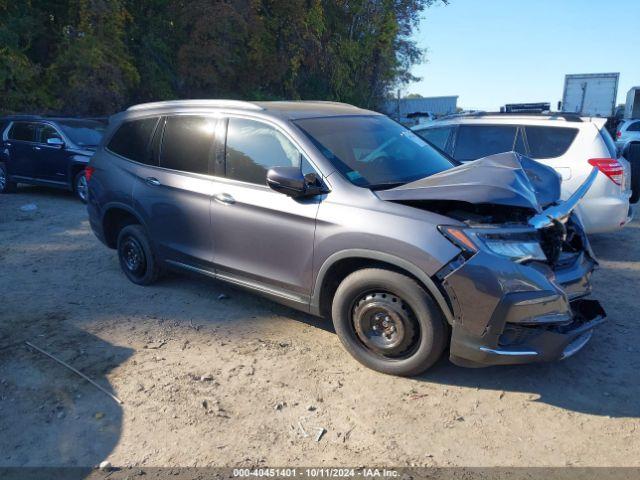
[633, 156]
[6, 186]
[80, 186]
[388, 322]
[136, 256]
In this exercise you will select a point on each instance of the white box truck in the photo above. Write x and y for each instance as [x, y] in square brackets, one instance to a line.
[632, 106]
[590, 94]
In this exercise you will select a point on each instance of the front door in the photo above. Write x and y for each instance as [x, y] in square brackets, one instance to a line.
[263, 239]
[51, 162]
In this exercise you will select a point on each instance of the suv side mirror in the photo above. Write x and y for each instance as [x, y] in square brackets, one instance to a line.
[291, 182]
[55, 142]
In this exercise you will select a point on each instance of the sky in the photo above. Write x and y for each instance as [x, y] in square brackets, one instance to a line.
[493, 52]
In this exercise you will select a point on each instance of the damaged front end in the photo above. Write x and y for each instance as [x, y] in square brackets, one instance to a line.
[518, 288]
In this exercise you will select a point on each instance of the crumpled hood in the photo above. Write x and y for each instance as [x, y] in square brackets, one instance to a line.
[506, 178]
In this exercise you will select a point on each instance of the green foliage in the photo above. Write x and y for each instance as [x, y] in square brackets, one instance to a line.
[94, 57]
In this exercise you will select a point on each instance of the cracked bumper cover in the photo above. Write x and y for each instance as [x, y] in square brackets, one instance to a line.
[510, 313]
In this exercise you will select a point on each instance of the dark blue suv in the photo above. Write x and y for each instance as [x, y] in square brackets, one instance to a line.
[47, 151]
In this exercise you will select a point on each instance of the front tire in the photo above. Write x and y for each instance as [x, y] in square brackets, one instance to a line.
[80, 186]
[6, 186]
[136, 256]
[388, 322]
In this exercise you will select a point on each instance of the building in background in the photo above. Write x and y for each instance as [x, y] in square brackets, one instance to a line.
[411, 111]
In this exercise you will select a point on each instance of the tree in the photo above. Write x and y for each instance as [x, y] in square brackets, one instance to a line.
[94, 57]
[93, 72]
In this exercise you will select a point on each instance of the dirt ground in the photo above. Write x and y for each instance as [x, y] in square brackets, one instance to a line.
[213, 376]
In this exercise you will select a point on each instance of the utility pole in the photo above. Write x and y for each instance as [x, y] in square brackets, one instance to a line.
[398, 114]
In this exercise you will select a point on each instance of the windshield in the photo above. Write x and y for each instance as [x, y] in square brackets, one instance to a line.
[374, 151]
[84, 133]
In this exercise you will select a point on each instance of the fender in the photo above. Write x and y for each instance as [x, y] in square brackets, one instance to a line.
[74, 162]
[120, 206]
[382, 257]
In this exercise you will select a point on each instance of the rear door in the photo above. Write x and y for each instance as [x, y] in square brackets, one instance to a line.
[263, 239]
[21, 149]
[174, 189]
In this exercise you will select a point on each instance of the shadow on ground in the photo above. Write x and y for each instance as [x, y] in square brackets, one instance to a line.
[50, 416]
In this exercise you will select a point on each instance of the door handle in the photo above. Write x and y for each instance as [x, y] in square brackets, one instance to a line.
[37, 148]
[153, 181]
[224, 198]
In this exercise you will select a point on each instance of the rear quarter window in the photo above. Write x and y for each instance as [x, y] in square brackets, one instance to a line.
[608, 141]
[634, 127]
[132, 139]
[549, 142]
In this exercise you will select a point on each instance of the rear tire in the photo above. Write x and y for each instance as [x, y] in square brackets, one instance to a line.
[633, 156]
[80, 186]
[136, 256]
[6, 186]
[388, 322]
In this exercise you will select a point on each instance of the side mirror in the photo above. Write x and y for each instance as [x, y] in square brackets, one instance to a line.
[291, 182]
[55, 142]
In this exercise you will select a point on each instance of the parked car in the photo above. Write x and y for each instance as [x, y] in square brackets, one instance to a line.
[47, 151]
[628, 143]
[569, 144]
[343, 213]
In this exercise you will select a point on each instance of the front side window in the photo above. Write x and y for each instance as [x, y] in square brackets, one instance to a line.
[187, 143]
[84, 133]
[549, 142]
[436, 136]
[132, 140]
[46, 132]
[477, 141]
[23, 131]
[373, 151]
[253, 148]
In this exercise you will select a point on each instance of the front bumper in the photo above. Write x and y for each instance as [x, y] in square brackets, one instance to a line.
[509, 313]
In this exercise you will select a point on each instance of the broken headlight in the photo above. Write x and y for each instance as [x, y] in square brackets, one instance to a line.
[518, 245]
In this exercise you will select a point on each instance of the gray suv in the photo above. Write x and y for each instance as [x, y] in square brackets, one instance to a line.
[343, 213]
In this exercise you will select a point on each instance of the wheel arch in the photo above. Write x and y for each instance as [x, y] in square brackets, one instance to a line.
[340, 264]
[115, 217]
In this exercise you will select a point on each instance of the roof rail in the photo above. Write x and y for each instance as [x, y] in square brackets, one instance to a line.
[197, 103]
[568, 116]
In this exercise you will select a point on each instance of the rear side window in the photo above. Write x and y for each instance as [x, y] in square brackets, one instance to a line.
[253, 148]
[549, 142]
[23, 131]
[436, 136]
[634, 127]
[131, 140]
[477, 141]
[187, 143]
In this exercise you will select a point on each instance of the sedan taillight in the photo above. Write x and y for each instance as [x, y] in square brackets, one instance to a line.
[611, 167]
[88, 171]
